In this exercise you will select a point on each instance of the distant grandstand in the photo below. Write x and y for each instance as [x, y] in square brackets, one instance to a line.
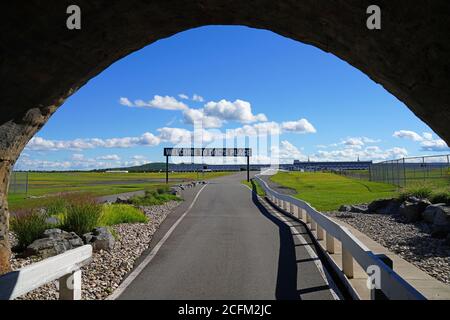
[331, 165]
[193, 167]
[296, 166]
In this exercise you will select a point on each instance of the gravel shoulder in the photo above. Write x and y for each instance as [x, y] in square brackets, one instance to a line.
[411, 241]
[107, 269]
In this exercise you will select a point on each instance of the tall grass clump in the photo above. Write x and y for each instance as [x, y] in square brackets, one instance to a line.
[82, 214]
[56, 207]
[28, 226]
[421, 192]
[441, 197]
[152, 198]
[121, 213]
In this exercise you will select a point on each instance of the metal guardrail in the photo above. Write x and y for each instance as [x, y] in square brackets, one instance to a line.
[66, 267]
[393, 286]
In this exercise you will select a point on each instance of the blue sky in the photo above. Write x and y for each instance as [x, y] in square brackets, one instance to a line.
[226, 78]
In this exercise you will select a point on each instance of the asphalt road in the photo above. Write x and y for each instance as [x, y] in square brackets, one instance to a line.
[231, 246]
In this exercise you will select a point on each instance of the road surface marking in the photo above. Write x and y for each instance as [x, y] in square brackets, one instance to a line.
[133, 275]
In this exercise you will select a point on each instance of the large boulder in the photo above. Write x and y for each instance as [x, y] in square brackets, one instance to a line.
[52, 221]
[52, 243]
[100, 239]
[123, 200]
[385, 206]
[430, 212]
[410, 211]
[360, 208]
[447, 240]
[441, 223]
[345, 208]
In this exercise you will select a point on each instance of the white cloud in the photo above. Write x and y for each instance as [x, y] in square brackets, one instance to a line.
[427, 136]
[158, 102]
[35, 164]
[288, 152]
[233, 111]
[125, 102]
[198, 98]
[77, 157]
[258, 129]
[427, 141]
[114, 157]
[197, 116]
[364, 154]
[175, 135]
[41, 144]
[183, 96]
[435, 145]
[353, 142]
[406, 134]
[300, 126]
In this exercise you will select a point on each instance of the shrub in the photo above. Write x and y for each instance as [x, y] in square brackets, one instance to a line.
[82, 215]
[162, 190]
[152, 198]
[422, 192]
[121, 213]
[28, 226]
[56, 206]
[441, 197]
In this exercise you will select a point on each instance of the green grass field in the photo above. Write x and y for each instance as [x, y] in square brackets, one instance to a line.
[98, 183]
[328, 191]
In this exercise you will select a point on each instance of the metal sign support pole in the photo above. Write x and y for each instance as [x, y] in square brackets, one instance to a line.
[167, 169]
[248, 168]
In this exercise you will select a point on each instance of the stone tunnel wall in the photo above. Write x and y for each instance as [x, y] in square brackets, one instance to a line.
[42, 62]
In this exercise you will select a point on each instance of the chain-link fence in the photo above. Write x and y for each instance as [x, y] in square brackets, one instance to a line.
[354, 174]
[18, 182]
[413, 171]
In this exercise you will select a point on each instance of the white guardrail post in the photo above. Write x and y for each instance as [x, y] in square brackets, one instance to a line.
[353, 250]
[329, 241]
[65, 267]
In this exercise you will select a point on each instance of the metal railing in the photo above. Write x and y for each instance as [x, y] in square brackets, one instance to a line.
[66, 267]
[392, 285]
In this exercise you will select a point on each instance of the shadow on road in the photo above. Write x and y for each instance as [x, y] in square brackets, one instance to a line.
[287, 262]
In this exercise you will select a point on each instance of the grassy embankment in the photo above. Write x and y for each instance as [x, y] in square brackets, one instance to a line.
[95, 183]
[327, 191]
[255, 186]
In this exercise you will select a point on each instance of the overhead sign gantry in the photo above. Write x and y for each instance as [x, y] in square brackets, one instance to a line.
[207, 152]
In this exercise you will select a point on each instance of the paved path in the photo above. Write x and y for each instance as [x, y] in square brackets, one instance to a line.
[230, 246]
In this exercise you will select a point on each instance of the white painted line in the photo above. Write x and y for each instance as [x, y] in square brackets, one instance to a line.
[133, 275]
